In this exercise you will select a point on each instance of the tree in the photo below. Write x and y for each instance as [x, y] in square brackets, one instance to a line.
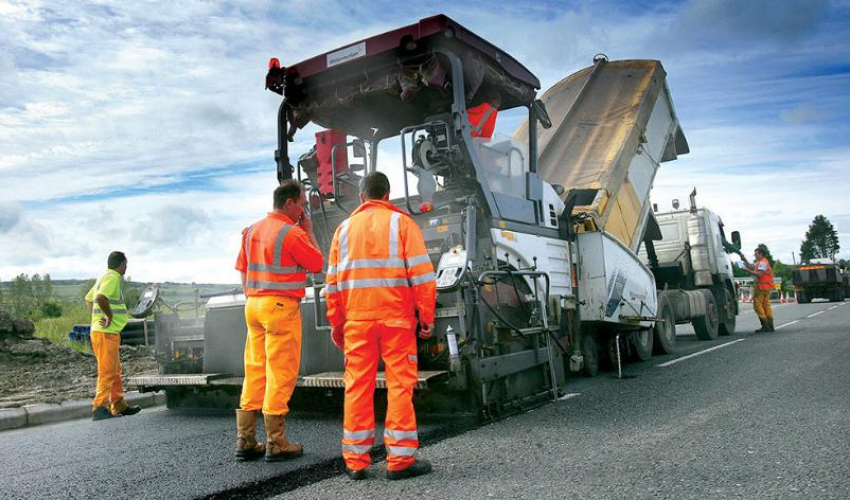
[785, 272]
[821, 240]
[21, 296]
[767, 254]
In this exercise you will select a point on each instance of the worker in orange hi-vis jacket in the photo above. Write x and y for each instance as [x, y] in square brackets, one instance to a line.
[276, 254]
[761, 291]
[379, 278]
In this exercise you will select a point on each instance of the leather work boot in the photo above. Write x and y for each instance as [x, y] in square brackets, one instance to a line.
[356, 475]
[419, 468]
[770, 326]
[277, 447]
[101, 413]
[131, 410]
[247, 447]
[763, 326]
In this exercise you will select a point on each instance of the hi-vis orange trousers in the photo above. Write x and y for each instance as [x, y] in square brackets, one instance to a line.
[365, 341]
[272, 353]
[761, 304]
[109, 393]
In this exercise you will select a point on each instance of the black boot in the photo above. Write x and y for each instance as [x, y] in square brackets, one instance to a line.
[770, 326]
[131, 410]
[419, 468]
[356, 475]
[763, 326]
[101, 413]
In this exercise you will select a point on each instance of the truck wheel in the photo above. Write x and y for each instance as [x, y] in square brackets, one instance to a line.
[728, 326]
[707, 327]
[664, 334]
[590, 352]
[642, 341]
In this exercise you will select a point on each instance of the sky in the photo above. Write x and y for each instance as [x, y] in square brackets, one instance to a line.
[145, 126]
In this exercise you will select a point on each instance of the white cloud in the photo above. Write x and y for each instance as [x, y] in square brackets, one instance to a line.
[115, 123]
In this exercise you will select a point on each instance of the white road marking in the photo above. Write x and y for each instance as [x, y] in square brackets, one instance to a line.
[833, 307]
[814, 314]
[569, 396]
[786, 324]
[721, 346]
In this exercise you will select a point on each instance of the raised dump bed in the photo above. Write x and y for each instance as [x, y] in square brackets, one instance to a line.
[612, 125]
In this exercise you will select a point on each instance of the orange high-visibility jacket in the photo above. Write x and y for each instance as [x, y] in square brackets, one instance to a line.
[276, 255]
[483, 120]
[378, 268]
[765, 281]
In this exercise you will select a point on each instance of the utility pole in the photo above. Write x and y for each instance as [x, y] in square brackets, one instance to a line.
[794, 258]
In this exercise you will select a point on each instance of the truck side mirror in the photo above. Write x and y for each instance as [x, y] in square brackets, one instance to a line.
[736, 239]
[542, 114]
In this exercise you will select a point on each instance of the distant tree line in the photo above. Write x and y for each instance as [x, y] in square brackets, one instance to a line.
[32, 297]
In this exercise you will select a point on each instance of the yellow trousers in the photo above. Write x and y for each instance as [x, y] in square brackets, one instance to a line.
[761, 304]
[272, 353]
[109, 393]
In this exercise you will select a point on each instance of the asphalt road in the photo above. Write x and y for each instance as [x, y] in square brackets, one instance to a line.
[748, 416]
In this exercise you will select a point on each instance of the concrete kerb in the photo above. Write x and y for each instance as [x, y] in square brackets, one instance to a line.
[38, 414]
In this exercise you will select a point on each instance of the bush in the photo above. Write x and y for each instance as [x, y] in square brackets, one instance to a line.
[51, 309]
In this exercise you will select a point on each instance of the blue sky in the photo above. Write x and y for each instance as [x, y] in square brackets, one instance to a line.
[144, 126]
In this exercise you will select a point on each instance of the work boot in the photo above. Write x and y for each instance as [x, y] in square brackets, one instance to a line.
[101, 413]
[763, 326]
[277, 447]
[770, 325]
[247, 447]
[419, 468]
[356, 475]
[130, 410]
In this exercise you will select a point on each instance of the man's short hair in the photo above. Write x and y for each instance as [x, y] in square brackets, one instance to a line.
[288, 189]
[375, 186]
[115, 260]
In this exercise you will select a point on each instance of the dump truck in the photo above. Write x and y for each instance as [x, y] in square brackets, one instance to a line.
[533, 235]
[688, 253]
[821, 279]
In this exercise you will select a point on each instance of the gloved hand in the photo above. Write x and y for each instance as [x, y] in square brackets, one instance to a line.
[337, 337]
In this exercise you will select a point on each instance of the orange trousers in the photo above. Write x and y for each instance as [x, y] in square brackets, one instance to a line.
[272, 353]
[109, 393]
[761, 304]
[365, 342]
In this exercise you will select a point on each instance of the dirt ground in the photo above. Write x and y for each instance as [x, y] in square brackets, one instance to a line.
[34, 370]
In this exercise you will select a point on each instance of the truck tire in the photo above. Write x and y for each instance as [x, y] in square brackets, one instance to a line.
[805, 297]
[664, 334]
[642, 342]
[728, 326]
[707, 327]
[590, 352]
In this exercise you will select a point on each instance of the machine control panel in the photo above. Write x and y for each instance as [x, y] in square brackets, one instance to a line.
[450, 268]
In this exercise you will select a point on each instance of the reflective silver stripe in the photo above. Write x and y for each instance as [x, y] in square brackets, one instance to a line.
[331, 289]
[115, 310]
[276, 269]
[394, 217]
[478, 128]
[343, 240]
[359, 435]
[401, 451]
[345, 265]
[278, 245]
[371, 283]
[412, 358]
[272, 285]
[419, 259]
[331, 270]
[400, 435]
[357, 448]
[422, 279]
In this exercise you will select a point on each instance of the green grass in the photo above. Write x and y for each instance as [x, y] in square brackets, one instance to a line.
[56, 329]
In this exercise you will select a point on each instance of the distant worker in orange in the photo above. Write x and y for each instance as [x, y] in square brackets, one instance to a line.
[276, 254]
[379, 278]
[761, 290]
[483, 117]
[105, 301]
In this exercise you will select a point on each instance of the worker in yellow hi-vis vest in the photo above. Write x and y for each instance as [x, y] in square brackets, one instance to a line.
[105, 300]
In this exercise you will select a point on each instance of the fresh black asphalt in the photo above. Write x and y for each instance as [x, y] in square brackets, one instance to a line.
[766, 417]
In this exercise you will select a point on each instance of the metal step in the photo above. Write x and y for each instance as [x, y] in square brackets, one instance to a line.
[324, 380]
